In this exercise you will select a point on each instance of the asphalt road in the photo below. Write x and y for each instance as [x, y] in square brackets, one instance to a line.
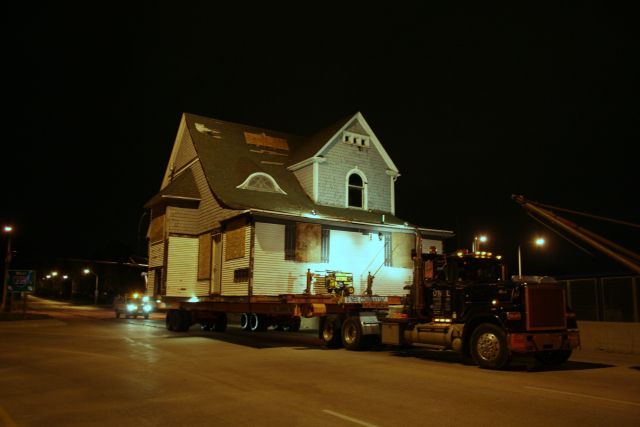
[87, 368]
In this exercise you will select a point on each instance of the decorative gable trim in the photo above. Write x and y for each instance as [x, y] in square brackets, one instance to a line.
[372, 139]
[260, 181]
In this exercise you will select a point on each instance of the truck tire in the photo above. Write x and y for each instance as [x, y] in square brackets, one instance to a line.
[244, 321]
[489, 347]
[170, 320]
[220, 324]
[352, 338]
[553, 357]
[330, 332]
[183, 320]
[258, 322]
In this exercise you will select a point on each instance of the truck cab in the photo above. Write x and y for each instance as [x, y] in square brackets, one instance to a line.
[464, 302]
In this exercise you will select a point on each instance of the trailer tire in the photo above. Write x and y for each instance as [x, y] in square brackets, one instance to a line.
[489, 347]
[352, 337]
[244, 321]
[183, 321]
[220, 324]
[258, 322]
[553, 357]
[170, 320]
[330, 332]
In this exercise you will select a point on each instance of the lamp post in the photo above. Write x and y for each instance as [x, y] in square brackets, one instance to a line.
[539, 241]
[95, 291]
[477, 241]
[7, 263]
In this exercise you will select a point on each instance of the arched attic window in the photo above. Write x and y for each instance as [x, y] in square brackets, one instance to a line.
[260, 181]
[356, 190]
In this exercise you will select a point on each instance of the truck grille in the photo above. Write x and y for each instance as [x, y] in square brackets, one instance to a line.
[545, 307]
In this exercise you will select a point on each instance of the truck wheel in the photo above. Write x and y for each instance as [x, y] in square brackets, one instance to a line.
[170, 320]
[117, 314]
[220, 324]
[295, 324]
[489, 347]
[331, 333]
[184, 320]
[352, 337]
[258, 322]
[244, 321]
[553, 357]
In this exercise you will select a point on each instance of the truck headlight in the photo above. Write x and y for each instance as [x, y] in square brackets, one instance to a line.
[132, 307]
[145, 298]
[147, 308]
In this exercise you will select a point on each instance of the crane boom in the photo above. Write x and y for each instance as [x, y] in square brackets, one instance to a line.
[596, 241]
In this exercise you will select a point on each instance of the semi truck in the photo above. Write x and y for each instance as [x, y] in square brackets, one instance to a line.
[460, 302]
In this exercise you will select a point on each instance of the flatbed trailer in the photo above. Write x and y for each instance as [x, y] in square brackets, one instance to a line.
[258, 313]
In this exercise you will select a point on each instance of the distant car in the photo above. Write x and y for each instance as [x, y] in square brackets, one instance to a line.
[132, 306]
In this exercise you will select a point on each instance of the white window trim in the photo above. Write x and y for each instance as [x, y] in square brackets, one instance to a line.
[245, 184]
[365, 184]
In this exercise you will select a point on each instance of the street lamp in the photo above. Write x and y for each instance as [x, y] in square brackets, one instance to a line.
[95, 292]
[477, 241]
[7, 263]
[539, 241]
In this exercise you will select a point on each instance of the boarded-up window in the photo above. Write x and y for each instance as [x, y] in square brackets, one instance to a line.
[156, 229]
[204, 257]
[290, 241]
[402, 244]
[308, 242]
[235, 239]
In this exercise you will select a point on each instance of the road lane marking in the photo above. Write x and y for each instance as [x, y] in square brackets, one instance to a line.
[6, 420]
[348, 418]
[568, 393]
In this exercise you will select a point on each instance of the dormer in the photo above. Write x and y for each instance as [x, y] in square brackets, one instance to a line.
[346, 166]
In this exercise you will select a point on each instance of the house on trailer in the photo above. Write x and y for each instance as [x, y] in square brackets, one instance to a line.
[245, 211]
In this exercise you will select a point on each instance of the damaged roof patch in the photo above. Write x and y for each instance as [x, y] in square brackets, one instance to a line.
[263, 140]
[203, 129]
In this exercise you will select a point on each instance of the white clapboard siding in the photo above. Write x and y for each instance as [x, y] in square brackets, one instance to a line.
[272, 274]
[182, 268]
[356, 253]
[229, 288]
[156, 254]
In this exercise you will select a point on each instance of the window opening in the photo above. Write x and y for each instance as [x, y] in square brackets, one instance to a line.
[261, 182]
[356, 191]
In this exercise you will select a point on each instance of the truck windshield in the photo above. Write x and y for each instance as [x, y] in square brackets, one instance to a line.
[480, 270]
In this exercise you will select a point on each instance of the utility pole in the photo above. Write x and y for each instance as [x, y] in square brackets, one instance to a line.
[7, 264]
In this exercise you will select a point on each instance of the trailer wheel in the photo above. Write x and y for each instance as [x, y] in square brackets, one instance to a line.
[331, 332]
[258, 322]
[170, 320]
[352, 337]
[553, 358]
[489, 347]
[244, 321]
[220, 324]
[183, 321]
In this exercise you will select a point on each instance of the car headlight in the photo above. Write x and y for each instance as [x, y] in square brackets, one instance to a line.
[132, 307]
[147, 308]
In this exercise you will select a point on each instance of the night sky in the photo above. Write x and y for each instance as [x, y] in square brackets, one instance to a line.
[471, 104]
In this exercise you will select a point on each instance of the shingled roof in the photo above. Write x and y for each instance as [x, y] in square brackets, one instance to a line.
[231, 152]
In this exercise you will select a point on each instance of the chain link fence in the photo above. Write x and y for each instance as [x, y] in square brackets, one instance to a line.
[606, 299]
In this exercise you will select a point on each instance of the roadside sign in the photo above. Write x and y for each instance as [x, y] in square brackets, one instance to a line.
[21, 281]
